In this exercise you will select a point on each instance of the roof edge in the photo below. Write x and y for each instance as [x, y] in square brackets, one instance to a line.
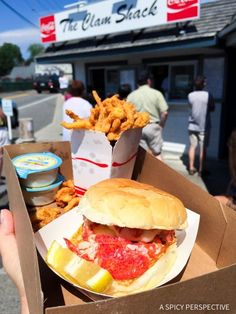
[70, 55]
[227, 30]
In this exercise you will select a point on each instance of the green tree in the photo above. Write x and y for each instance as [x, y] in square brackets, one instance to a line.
[10, 56]
[34, 50]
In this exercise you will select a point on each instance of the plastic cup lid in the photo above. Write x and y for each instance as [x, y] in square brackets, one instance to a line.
[35, 162]
[58, 182]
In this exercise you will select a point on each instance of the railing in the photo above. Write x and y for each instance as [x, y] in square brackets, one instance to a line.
[7, 86]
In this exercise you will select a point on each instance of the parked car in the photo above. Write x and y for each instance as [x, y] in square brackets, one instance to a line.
[46, 83]
[15, 117]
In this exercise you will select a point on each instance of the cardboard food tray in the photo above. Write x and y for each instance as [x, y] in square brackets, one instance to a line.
[208, 278]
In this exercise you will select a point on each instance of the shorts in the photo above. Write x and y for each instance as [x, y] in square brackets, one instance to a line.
[152, 138]
[198, 138]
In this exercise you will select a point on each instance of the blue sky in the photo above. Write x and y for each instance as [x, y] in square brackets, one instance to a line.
[15, 29]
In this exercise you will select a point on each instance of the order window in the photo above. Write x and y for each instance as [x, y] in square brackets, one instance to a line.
[181, 81]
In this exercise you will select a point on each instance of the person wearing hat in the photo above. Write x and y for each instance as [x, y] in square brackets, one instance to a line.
[147, 99]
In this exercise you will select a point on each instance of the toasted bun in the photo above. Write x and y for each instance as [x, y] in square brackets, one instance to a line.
[149, 280]
[127, 203]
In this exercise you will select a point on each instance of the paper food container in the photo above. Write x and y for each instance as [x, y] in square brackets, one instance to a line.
[58, 230]
[95, 159]
[207, 282]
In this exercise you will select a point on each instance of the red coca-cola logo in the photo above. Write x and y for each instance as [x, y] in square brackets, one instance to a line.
[182, 9]
[180, 4]
[48, 29]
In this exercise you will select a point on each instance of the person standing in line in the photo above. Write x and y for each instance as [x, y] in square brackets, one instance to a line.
[150, 100]
[4, 138]
[201, 104]
[77, 104]
[165, 87]
[123, 91]
[63, 83]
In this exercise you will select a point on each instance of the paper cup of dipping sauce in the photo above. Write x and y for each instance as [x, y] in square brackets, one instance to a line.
[42, 195]
[37, 169]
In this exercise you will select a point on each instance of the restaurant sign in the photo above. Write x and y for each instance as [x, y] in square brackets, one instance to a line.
[107, 17]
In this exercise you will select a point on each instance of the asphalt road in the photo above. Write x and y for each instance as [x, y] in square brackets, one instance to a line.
[41, 108]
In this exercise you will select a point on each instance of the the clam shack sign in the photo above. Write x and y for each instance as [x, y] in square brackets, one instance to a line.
[112, 16]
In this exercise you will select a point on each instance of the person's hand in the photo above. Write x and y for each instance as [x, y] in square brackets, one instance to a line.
[10, 256]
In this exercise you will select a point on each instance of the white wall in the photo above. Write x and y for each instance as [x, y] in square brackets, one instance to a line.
[176, 129]
[79, 71]
[54, 68]
[175, 133]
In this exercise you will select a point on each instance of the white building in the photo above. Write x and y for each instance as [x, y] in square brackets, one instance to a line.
[175, 51]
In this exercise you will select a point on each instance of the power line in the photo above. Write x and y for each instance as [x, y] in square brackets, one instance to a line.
[55, 4]
[18, 14]
[33, 8]
[43, 5]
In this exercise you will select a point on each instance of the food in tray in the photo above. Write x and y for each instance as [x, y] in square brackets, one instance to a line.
[128, 231]
[64, 200]
[41, 216]
[111, 116]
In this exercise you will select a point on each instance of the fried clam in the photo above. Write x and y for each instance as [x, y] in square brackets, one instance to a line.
[78, 124]
[141, 119]
[97, 98]
[115, 126]
[40, 217]
[73, 202]
[72, 115]
[64, 195]
[112, 136]
[94, 114]
[111, 116]
[65, 198]
[68, 183]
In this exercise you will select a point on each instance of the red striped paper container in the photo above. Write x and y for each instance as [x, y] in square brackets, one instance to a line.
[95, 159]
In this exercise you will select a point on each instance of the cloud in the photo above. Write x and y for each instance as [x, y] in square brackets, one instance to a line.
[21, 37]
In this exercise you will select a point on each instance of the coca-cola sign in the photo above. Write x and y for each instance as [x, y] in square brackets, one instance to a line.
[48, 29]
[113, 16]
[181, 10]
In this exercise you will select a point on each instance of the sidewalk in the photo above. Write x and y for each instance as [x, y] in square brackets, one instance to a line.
[53, 131]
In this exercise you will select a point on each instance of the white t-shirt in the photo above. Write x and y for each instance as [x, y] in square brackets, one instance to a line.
[80, 107]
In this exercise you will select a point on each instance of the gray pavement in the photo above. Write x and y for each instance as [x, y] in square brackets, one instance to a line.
[214, 183]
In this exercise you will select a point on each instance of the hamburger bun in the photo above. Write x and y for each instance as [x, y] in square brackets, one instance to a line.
[127, 203]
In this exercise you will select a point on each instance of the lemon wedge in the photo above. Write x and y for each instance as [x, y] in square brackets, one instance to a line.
[57, 257]
[78, 270]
